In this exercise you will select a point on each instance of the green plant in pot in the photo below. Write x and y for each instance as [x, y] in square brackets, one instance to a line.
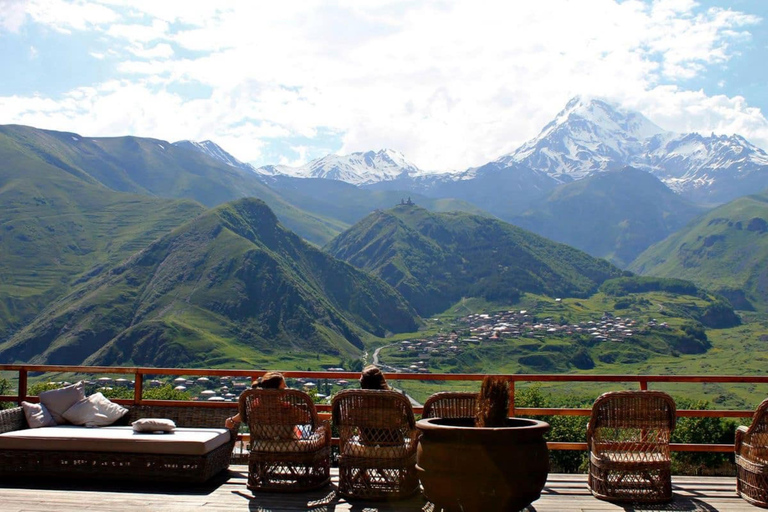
[487, 463]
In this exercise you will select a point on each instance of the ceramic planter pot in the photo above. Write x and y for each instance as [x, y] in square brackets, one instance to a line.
[467, 468]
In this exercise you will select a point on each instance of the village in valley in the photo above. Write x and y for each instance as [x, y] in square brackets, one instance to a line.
[480, 328]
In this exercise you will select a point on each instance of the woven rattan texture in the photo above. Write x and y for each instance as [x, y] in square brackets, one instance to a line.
[628, 437]
[450, 404]
[377, 444]
[290, 448]
[751, 449]
[123, 466]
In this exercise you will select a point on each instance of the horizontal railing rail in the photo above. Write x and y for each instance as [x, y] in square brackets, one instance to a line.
[642, 381]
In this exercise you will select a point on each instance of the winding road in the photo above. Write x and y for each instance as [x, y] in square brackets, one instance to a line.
[391, 369]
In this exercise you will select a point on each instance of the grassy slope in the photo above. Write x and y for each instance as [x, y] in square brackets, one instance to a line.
[435, 259]
[724, 250]
[157, 168]
[231, 287]
[57, 227]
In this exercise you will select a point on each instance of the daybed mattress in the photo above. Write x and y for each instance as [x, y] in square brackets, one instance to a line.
[182, 441]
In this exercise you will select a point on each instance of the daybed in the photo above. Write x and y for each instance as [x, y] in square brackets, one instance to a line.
[196, 450]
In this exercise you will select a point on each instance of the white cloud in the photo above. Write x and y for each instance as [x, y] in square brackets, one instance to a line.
[13, 14]
[159, 51]
[65, 16]
[450, 84]
[139, 33]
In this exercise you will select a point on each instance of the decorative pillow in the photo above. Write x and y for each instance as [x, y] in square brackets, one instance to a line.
[57, 401]
[153, 425]
[94, 411]
[37, 415]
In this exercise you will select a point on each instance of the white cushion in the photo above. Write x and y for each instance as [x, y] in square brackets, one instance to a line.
[37, 415]
[94, 411]
[153, 425]
[182, 441]
[57, 401]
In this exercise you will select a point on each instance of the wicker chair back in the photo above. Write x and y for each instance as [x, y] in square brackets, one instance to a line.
[628, 437]
[450, 404]
[377, 443]
[289, 445]
[751, 449]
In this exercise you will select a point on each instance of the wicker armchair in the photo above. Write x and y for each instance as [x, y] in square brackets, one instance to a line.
[628, 438]
[751, 449]
[377, 444]
[450, 404]
[289, 447]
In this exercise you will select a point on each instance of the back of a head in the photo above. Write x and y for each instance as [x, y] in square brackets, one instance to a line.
[372, 378]
[271, 380]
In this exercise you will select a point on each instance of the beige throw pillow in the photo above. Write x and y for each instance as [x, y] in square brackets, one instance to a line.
[37, 415]
[94, 411]
[153, 425]
[57, 401]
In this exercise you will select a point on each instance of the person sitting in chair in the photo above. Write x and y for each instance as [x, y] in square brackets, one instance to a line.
[270, 380]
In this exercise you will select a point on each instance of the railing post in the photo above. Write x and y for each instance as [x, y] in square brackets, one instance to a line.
[138, 385]
[512, 397]
[22, 386]
[644, 384]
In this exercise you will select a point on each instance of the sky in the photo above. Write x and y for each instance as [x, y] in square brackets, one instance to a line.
[451, 84]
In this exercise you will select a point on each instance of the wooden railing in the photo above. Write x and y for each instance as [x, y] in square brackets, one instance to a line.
[642, 381]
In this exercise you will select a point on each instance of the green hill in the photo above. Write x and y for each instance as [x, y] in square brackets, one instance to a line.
[155, 168]
[612, 215]
[725, 250]
[435, 259]
[58, 227]
[229, 287]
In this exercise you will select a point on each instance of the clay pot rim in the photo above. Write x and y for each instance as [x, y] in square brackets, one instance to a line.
[430, 424]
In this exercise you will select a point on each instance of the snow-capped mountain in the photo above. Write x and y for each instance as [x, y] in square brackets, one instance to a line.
[587, 136]
[215, 151]
[356, 168]
[591, 136]
[705, 167]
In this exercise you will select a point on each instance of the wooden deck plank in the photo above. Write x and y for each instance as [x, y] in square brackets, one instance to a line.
[563, 493]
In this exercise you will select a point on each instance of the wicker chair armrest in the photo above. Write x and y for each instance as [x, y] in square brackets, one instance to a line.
[413, 436]
[741, 434]
[12, 419]
[324, 430]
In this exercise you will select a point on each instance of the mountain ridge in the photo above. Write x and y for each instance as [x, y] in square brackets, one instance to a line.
[224, 283]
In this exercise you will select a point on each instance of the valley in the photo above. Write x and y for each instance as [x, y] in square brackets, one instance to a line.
[639, 340]
[564, 256]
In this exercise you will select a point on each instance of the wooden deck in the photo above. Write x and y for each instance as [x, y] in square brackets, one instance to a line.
[562, 493]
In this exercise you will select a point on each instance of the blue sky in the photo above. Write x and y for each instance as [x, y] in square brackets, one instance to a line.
[451, 84]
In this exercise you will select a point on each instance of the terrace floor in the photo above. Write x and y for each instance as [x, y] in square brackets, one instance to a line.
[563, 493]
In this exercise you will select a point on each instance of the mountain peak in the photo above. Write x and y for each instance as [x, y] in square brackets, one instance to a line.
[608, 116]
[588, 135]
[360, 168]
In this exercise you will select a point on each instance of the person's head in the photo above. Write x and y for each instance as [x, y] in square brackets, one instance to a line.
[270, 380]
[372, 378]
